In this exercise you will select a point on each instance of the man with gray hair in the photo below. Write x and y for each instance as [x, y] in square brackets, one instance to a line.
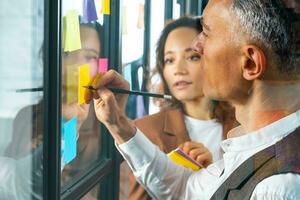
[250, 58]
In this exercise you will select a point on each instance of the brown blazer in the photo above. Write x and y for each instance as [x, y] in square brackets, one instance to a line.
[167, 130]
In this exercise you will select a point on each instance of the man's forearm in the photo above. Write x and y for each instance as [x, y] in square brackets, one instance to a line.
[122, 131]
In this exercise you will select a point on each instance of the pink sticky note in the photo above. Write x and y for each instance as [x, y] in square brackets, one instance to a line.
[103, 65]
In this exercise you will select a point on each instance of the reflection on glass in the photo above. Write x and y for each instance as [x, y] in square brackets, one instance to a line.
[21, 117]
[157, 16]
[93, 194]
[80, 131]
[124, 181]
[132, 30]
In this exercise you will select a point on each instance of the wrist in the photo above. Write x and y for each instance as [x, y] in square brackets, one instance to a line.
[123, 130]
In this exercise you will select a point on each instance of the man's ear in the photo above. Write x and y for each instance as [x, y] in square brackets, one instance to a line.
[254, 63]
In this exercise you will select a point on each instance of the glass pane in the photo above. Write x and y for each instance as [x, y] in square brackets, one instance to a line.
[81, 52]
[21, 103]
[157, 19]
[132, 67]
[132, 53]
[93, 194]
[125, 173]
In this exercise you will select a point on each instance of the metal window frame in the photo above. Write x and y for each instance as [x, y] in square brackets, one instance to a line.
[168, 10]
[52, 95]
[52, 108]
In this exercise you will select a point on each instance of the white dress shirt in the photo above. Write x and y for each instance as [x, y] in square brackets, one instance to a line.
[165, 180]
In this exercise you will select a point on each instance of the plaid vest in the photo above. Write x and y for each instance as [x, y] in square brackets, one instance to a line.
[282, 157]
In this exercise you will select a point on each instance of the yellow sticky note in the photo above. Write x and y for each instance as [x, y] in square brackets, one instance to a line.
[181, 160]
[106, 7]
[83, 80]
[71, 83]
[71, 40]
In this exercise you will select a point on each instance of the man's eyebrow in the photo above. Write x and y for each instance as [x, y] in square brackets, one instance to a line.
[203, 23]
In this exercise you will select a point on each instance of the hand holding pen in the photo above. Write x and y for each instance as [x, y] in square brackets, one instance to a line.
[109, 106]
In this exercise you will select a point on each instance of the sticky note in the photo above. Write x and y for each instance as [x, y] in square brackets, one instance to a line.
[103, 65]
[127, 74]
[180, 158]
[89, 11]
[106, 7]
[124, 20]
[70, 143]
[71, 83]
[83, 80]
[140, 22]
[71, 40]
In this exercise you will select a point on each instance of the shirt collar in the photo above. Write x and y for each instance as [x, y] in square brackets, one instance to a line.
[266, 135]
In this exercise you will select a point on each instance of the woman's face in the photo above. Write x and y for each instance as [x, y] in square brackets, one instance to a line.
[182, 65]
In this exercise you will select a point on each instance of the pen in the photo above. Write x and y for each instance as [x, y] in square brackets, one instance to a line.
[133, 92]
[30, 90]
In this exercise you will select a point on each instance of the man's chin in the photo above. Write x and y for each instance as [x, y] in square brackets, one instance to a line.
[212, 94]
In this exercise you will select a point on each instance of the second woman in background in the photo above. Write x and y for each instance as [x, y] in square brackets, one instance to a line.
[192, 121]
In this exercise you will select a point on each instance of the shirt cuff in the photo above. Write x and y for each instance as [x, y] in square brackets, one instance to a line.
[139, 151]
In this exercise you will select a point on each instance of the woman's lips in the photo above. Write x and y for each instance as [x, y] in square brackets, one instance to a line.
[180, 85]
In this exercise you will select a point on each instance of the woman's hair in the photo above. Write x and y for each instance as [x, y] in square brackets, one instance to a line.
[186, 22]
[222, 111]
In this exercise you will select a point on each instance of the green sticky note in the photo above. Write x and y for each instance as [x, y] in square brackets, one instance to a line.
[71, 40]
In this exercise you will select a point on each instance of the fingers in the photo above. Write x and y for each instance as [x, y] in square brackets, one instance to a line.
[112, 79]
[194, 153]
[204, 159]
[90, 94]
[198, 152]
[105, 96]
[188, 146]
[108, 79]
[106, 108]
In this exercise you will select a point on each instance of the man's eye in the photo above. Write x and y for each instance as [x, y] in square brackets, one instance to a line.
[204, 34]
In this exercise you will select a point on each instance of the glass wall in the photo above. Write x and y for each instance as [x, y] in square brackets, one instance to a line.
[81, 59]
[21, 103]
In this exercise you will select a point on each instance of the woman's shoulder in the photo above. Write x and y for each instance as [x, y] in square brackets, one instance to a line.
[159, 116]
[155, 123]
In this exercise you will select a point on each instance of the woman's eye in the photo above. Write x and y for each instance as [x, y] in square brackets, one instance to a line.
[194, 57]
[168, 61]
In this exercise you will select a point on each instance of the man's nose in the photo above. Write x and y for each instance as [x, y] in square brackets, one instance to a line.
[197, 44]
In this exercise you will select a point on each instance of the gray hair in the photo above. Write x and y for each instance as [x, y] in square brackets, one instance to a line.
[267, 22]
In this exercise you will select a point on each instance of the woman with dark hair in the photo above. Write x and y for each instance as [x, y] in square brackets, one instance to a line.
[191, 121]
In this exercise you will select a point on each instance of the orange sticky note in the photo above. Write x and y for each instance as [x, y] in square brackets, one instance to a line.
[103, 65]
[83, 80]
[71, 40]
[106, 7]
[140, 22]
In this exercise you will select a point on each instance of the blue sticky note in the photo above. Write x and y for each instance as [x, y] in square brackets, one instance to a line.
[89, 11]
[127, 74]
[70, 143]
